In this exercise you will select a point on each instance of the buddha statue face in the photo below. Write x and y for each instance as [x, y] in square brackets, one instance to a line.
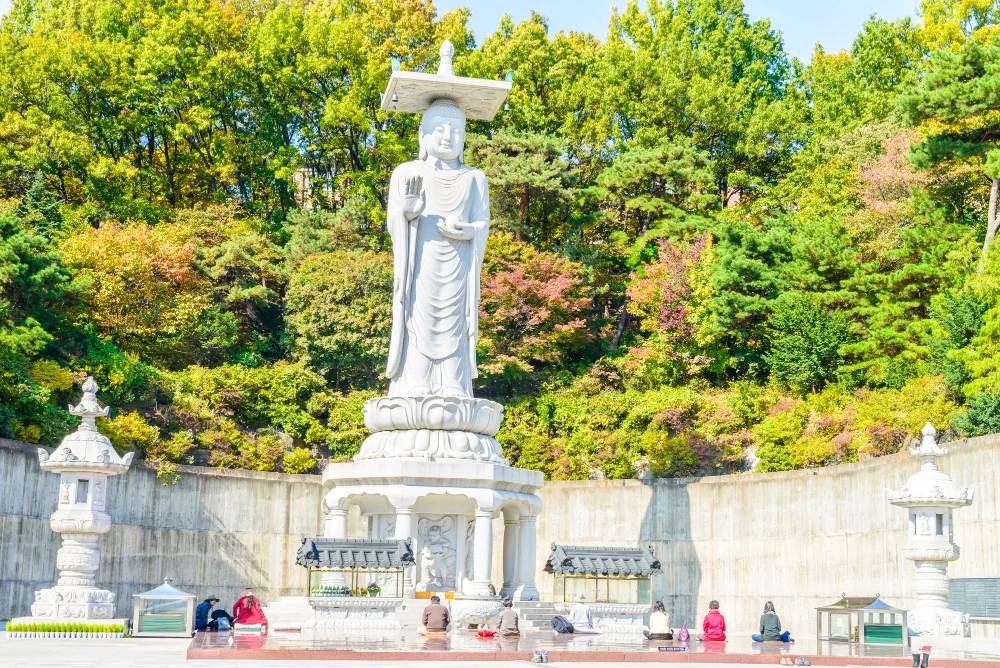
[442, 131]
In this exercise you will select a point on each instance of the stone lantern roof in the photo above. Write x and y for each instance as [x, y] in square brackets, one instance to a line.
[929, 486]
[86, 449]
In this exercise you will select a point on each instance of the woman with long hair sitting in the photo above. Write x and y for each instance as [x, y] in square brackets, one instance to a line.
[659, 624]
[770, 627]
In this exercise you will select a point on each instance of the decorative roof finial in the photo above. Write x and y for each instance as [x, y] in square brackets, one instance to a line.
[929, 449]
[447, 53]
[88, 408]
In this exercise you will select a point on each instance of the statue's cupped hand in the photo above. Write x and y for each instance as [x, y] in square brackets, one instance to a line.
[456, 229]
[414, 199]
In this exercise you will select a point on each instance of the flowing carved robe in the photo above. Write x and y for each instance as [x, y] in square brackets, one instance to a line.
[435, 301]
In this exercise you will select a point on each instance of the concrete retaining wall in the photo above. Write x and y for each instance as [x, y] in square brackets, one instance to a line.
[798, 538]
[214, 531]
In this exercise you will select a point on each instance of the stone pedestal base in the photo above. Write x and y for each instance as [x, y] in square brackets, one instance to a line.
[471, 610]
[357, 614]
[614, 618]
[939, 622]
[78, 604]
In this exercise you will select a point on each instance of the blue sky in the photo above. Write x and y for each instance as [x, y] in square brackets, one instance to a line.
[802, 22]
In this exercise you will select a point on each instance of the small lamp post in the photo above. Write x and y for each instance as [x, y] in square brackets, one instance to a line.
[84, 460]
[930, 496]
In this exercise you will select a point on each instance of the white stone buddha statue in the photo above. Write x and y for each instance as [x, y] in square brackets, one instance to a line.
[438, 219]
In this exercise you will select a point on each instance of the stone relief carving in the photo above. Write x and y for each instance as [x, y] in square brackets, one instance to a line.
[475, 610]
[77, 558]
[99, 493]
[470, 550]
[437, 556]
[64, 495]
[97, 523]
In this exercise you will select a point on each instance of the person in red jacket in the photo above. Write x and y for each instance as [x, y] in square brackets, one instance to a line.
[248, 611]
[714, 626]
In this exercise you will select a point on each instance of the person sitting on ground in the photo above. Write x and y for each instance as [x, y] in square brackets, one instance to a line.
[436, 617]
[201, 613]
[581, 617]
[714, 626]
[770, 626]
[659, 624]
[507, 625]
[247, 610]
[491, 590]
[221, 621]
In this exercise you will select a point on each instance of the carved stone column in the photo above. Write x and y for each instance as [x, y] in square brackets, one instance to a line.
[482, 561]
[930, 496]
[334, 526]
[511, 525]
[84, 460]
[461, 549]
[404, 531]
[526, 567]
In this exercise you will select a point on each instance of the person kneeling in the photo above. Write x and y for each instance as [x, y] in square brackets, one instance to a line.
[770, 627]
[436, 617]
[507, 626]
[659, 624]
[581, 618]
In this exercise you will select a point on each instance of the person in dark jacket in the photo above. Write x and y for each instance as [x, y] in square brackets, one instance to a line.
[770, 627]
[436, 617]
[201, 622]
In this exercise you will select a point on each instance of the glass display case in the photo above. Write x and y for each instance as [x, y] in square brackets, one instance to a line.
[602, 589]
[163, 612]
[862, 619]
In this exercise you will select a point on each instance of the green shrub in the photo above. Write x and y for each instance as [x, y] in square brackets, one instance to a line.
[981, 417]
[670, 457]
[299, 460]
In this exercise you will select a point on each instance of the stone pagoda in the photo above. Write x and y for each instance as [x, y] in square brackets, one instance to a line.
[432, 472]
[84, 460]
[930, 496]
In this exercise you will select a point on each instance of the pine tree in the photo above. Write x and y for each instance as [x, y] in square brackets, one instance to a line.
[962, 92]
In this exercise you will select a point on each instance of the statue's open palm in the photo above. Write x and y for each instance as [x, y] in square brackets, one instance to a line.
[414, 199]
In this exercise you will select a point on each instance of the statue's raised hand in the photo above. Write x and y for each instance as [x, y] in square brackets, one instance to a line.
[414, 199]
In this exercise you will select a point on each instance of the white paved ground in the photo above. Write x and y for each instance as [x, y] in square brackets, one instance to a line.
[170, 652]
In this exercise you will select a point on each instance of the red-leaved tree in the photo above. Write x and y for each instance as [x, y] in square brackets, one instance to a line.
[532, 315]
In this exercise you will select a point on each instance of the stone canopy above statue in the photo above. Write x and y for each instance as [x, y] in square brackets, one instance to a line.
[414, 92]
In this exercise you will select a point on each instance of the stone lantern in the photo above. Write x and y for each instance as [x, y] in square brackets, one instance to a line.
[930, 496]
[84, 460]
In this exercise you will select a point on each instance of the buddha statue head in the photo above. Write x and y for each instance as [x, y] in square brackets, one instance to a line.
[442, 131]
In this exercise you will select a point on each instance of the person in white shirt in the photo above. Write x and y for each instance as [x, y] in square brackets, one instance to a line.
[581, 617]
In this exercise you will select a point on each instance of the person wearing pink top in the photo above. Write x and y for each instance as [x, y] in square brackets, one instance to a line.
[714, 626]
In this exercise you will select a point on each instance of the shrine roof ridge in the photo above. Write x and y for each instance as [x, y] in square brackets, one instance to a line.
[354, 553]
[620, 561]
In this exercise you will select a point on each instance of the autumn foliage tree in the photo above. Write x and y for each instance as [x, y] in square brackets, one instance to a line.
[532, 315]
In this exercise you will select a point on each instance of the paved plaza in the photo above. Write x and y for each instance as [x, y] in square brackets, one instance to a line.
[461, 649]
